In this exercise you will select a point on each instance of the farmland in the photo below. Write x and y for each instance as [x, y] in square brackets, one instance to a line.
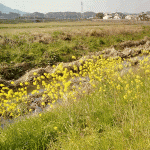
[94, 78]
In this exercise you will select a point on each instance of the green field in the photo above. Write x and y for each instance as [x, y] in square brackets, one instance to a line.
[111, 113]
[39, 43]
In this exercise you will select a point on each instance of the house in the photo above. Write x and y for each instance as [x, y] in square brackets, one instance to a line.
[3, 18]
[132, 17]
[117, 16]
[107, 16]
[148, 16]
[143, 17]
[129, 17]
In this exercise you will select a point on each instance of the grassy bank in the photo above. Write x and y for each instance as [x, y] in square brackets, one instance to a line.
[114, 116]
[49, 43]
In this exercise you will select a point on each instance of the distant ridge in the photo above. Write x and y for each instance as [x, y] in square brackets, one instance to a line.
[5, 9]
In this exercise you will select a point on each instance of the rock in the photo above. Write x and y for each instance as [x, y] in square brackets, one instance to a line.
[128, 52]
[147, 44]
[130, 43]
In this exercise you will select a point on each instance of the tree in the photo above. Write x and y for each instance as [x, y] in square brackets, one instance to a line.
[143, 17]
[100, 15]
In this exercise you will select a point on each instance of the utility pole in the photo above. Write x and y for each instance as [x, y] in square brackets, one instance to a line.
[82, 13]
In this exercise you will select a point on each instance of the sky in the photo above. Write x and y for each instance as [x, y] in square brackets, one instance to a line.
[45, 6]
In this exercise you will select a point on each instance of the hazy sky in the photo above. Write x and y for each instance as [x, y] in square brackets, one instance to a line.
[44, 6]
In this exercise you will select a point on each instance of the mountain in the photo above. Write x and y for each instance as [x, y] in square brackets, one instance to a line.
[148, 12]
[126, 13]
[62, 15]
[5, 9]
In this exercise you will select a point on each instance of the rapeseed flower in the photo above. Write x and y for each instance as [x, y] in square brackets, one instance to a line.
[73, 57]
[34, 73]
[55, 128]
[59, 87]
[43, 103]
[21, 84]
[12, 82]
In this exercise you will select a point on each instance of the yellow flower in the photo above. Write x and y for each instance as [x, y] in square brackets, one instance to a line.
[55, 128]
[53, 101]
[81, 61]
[38, 87]
[42, 77]
[2, 85]
[34, 83]
[73, 57]
[45, 74]
[53, 66]
[12, 82]
[125, 96]
[147, 71]
[30, 110]
[34, 73]
[11, 114]
[26, 83]
[43, 103]
[21, 84]
[40, 114]
[5, 88]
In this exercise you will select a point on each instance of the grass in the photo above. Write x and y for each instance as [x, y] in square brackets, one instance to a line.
[114, 116]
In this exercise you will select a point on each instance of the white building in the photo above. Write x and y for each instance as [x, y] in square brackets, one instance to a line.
[117, 16]
[128, 17]
[132, 17]
[107, 16]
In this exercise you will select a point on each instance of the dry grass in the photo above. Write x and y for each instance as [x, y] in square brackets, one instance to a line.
[75, 27]
[43, 35]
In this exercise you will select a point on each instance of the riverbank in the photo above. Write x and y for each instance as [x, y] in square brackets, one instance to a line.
[115, 115]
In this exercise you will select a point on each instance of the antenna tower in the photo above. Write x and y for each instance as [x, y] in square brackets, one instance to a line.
[82, 13]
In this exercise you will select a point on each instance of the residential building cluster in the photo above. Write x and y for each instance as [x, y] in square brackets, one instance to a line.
[40, 17]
